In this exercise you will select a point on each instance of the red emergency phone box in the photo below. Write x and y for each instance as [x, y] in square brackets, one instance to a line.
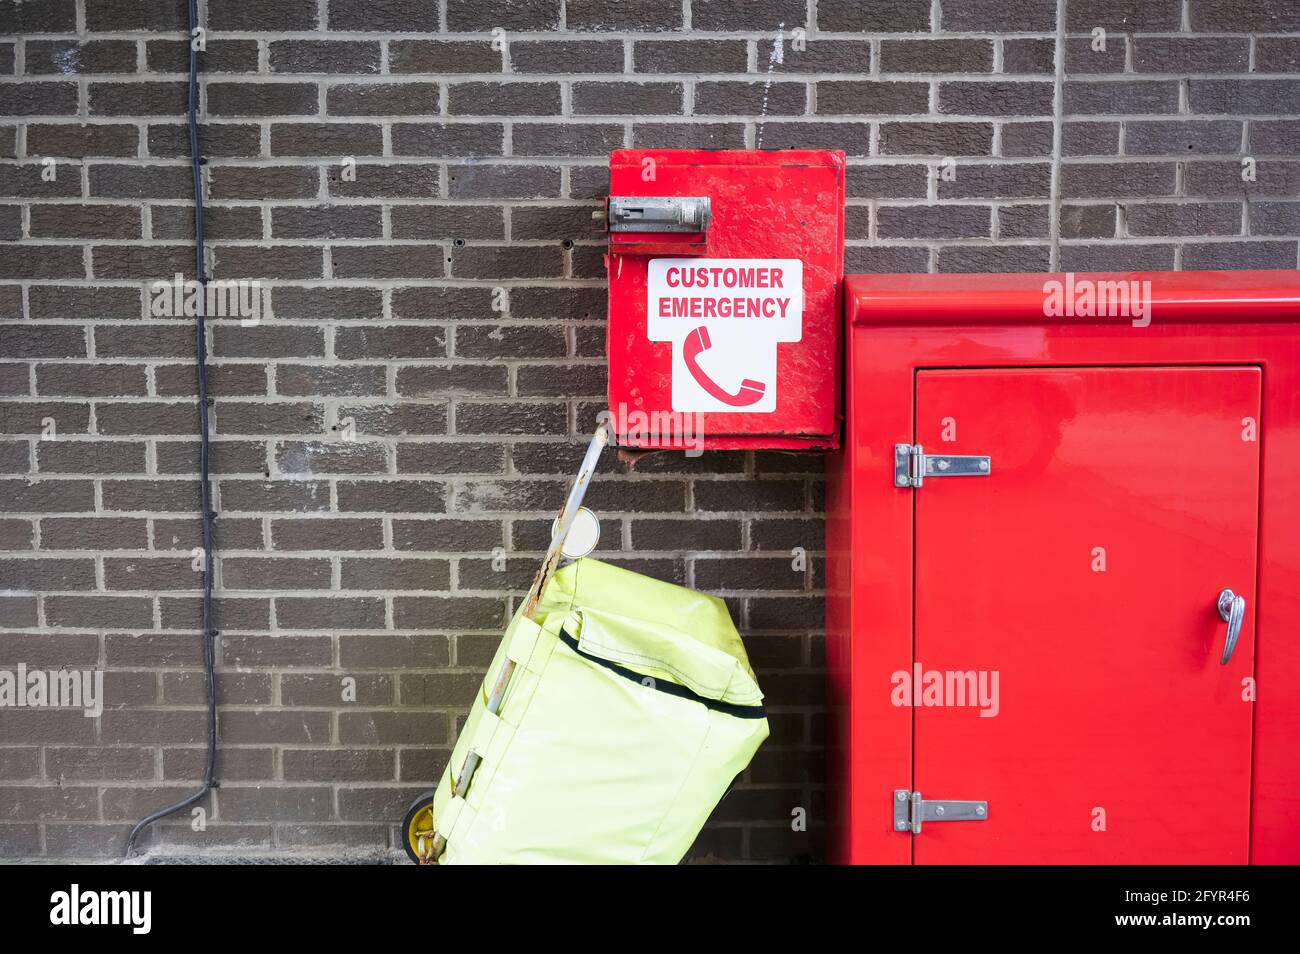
[725, 281]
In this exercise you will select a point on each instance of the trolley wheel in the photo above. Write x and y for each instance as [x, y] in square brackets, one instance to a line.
[418, 824]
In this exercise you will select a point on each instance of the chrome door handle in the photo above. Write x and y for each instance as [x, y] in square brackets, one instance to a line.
[1232, 609]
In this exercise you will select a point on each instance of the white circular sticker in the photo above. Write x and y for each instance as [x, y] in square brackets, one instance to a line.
[583, 535]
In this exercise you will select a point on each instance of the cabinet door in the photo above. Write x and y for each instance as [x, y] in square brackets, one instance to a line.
[1080, 581]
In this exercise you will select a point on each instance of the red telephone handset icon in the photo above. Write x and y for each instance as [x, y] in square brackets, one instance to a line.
[751, 391]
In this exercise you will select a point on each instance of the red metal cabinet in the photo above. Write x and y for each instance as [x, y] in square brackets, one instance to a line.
[725, 271]
[1036, 637]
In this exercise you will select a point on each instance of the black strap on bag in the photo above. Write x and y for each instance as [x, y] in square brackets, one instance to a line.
[662, 685]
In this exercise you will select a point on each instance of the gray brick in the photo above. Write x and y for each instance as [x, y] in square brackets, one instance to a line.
[510, 417]
[1038, 16]
[38, 99]
[1184, 55]
[1273, 178]
[1003, 258]
[25, 180]
[267, 261]
[890, 16]
[853, 138]
[515, 15]
[327, 221]
[688, 56]
[42, 261]
[678, 135]
[46, 341]
[1028, 56]
[1023, 221]
[1091, 138]
[382, 99]
[623, 15]
[1275, 218]
[1188, 218]
[1233, 255]
[389, 342]
[886, 181]
[406, 261]
[283, 15]
[1005, 180]
[719, 15]
[933, 221]
[936, 56]
[566, 56]
[1180, 137]
[504, 99]
[1244, 96]
[838, 97]
[391, 496]
[117, 181]
[1027, 140]
[1123, 16]
[1087, 221]
[479, 262]
[1117, 179]
[944, 139]
[325, 303]
[638, 99]
[437, 380]
[334, 140]
[433, 222]
[1120, 96]
[90, 457]
[259, 99]
[62, 57]
[268, 182]
[78, 140]
[567, 139]
[1266, 16]
[1082, 57]
[141, 99]
[503, 182]
[445, 457]
[100, 612]
[323, 56]
[1277, 54]
[53, 16]
[743, 98]
[46, 574]
[385, 16]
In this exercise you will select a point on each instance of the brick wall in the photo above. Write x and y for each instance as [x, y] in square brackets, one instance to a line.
[390, 445]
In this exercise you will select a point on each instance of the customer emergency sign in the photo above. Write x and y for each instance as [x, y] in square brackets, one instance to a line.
[725, 318]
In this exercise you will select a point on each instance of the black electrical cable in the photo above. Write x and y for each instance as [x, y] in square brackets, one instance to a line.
[205, 488]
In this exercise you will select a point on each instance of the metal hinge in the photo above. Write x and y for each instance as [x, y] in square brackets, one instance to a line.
[912, 465]
[659, 213]
[910, 810]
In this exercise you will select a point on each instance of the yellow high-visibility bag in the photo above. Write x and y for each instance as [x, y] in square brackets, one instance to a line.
[630, 709]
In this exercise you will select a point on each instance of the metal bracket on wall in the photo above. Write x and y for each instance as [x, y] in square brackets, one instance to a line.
[659, 213]
[910, 810]
[912, 465]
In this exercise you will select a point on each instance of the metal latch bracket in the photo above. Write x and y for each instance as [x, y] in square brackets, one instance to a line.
[910, 810]
[659, 213]
[912, 465]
